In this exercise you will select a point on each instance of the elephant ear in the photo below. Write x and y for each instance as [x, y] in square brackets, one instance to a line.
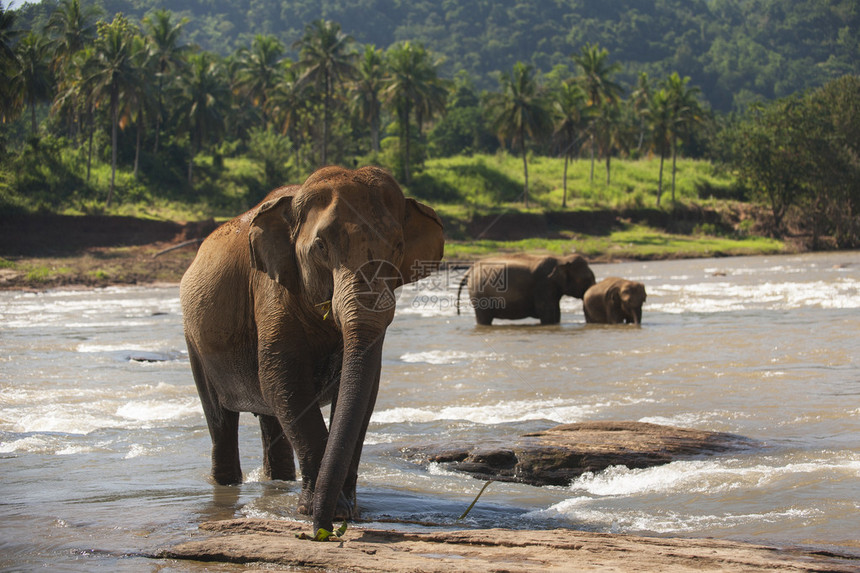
[424, 243]
[272, 248]
[613, 296]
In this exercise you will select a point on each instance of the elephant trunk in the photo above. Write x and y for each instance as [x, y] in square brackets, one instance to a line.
[363, 322]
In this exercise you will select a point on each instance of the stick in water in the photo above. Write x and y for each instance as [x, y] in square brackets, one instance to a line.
[465, 513]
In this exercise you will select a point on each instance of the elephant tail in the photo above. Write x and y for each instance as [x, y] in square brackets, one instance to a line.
[460, 288]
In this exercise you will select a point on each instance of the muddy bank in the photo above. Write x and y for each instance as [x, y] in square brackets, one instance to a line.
[471, 551]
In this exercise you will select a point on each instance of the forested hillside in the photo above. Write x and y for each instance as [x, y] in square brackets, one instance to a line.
[736, 51]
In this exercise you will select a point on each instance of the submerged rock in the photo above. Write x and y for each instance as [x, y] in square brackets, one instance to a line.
[562, 453]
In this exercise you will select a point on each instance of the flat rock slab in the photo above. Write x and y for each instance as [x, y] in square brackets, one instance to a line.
[560, 454]
[475, 551]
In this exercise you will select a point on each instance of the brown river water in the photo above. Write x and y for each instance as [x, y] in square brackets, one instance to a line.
[104, 452]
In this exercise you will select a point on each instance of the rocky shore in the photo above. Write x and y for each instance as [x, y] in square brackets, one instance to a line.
[373, 550]
[553, 456]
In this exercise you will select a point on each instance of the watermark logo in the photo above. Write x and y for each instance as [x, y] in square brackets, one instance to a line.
[444, 283]
[381, 279]
[436, 285]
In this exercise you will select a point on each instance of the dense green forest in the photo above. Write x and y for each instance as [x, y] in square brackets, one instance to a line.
[110, 102]
[736, 51]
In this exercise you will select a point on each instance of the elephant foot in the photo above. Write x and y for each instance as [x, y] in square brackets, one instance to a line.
[227, 478]
[306, 502]
[346, 508]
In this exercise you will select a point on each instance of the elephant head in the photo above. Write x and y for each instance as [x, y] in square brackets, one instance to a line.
[572, 275]
[340, 244]
[628, 296]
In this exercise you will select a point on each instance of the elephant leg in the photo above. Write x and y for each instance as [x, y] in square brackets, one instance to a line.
[278, 460]
[483, 316]
[226, 469]
[548, 311]
[223, 427]
[295, 403]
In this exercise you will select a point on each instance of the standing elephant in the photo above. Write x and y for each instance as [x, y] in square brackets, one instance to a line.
[285, 309]
[613, 301]
[522, 286]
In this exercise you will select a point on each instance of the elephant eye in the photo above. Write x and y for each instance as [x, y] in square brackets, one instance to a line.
[319, 246]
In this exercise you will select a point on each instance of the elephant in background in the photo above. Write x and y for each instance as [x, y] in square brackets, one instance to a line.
[522, 286]
[613, 301]
[285, 309]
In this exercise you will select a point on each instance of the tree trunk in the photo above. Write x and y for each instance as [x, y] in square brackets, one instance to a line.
[407, 176]
[137, 146]
[525, 169]
[592, 157]
[194, 148]
[674, 157]
[90, 150]
[564, 182]
[114, 107]
[326, 105]
[608, 159]
[374, 134]
[33, 125]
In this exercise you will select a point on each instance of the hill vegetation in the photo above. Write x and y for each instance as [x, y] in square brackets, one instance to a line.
[736, 51]
[104, 112]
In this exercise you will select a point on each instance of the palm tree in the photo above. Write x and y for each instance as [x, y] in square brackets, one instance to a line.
[204, 101]
[10, 100]
[75, 96]
[72, 27]
[612, 131]
[640, 100]
[288, 107]
[368, 86]
[34, 80]
[166, 57]
[600, 89]
[412, 86]
[112, 75]
[571, 114]
[141, 101]
[686, 114]
[8, 34]
[327, 58]
[660, 125]
[520, 109]
[260, 70]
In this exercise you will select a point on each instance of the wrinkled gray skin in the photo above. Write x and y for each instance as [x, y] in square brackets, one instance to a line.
[523, 286]
[613, 301]
[261, 337]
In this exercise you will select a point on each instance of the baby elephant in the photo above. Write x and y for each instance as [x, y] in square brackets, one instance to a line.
[613, 301]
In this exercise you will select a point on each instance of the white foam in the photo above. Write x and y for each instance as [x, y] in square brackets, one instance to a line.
[45, 444]
[62, 418]
[139, 450]
[444, 356]
[559, 410]
[89, 347]
[724, 296]
[664, 521]
[159, 410]
[705, 476]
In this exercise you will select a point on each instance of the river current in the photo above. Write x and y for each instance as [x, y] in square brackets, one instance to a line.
[104, 451]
